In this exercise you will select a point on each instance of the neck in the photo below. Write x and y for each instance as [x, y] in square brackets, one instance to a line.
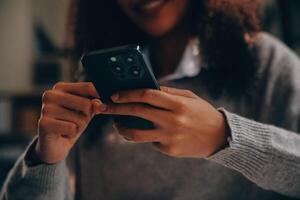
[167, 51]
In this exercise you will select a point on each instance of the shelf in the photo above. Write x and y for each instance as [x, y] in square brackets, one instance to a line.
[20, 111]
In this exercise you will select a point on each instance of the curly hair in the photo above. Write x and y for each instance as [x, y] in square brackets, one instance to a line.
[220, 25]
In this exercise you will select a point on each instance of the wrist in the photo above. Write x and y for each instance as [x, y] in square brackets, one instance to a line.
[226, 132]
[223, 134]
[31, 158]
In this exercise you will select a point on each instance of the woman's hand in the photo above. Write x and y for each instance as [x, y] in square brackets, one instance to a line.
[67, 109]
[186, 125]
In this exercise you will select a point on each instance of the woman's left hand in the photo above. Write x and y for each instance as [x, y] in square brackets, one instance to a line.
[186, 125]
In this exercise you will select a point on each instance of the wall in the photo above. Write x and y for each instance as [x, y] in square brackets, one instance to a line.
[17, 54]
[16, 41]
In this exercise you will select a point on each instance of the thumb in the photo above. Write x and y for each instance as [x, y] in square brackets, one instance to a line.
[97, 106]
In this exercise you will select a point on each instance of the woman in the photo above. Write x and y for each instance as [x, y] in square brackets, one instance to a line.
[214, 51]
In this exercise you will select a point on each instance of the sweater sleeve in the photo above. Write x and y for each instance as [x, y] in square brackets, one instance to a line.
[267, 150]
[267, 155]
[40, 182]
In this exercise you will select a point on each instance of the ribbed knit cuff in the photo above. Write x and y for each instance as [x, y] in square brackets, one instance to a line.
[249, 148]
[43, 176]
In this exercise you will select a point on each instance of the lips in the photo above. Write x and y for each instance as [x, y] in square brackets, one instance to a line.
[149, 7]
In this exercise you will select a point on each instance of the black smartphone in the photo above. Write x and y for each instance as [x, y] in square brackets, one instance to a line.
[120, 69]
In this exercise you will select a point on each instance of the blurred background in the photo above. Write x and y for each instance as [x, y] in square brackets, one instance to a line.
[31, 40]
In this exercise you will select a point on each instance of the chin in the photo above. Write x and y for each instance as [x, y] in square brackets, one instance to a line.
[156, 32]
[159, 28]
[156, 17]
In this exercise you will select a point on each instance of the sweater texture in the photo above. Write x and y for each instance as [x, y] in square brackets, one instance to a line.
[262, 160]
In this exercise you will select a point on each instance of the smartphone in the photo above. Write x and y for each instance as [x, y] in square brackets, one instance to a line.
[120, 69]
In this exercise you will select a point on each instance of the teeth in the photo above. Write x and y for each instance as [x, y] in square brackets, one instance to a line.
[152, 4]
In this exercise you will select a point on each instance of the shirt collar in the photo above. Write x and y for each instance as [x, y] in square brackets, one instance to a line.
[189, 65]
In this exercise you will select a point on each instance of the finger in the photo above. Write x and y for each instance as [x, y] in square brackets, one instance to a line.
[141, 136]
[144, 111]
[85, 89]
[169, 150]
[69, 101]
[97, 106]
[179, 92]
[63, 114]
[58, 127]
[152, 97]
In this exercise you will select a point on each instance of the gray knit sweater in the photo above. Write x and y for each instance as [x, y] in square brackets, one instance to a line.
[261, 162]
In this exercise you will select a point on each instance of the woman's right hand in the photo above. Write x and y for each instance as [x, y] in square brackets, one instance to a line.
[67, 110]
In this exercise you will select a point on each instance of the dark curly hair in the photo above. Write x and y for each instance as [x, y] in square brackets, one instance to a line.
[221, 26]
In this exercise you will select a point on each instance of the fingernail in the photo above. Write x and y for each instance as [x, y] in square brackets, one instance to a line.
[115, 97]
[102, 107]
[128, 137]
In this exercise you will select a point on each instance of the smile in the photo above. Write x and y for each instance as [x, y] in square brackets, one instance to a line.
[149, 7]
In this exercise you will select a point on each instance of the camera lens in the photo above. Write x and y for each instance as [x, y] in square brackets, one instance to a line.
[117, 69]
[113, 59]
[129, 59]
[135, 71]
